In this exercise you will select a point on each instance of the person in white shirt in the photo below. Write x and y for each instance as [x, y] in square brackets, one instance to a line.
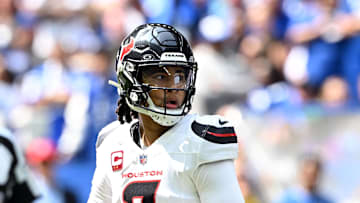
[16, 181]
[156, 151]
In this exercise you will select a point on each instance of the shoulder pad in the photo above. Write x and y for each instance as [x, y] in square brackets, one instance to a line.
[214, 129]
[112, 131]
[105, 132]
[219, 139]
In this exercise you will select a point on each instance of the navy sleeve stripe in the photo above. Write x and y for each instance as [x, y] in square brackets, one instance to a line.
[224, 135]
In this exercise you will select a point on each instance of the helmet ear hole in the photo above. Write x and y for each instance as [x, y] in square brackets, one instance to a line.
[130, 67]
[134, 97]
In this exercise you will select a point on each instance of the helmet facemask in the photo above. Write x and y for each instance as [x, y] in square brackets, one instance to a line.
[162, 92]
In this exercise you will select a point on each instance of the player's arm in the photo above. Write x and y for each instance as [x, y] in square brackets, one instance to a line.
[100, 189]
[217, 182]
[101, 186]
[214, 176]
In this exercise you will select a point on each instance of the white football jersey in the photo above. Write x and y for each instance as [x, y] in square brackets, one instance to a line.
[191, 162]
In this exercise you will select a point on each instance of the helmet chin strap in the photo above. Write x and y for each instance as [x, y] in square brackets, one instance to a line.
[161, 119]
[166, 120]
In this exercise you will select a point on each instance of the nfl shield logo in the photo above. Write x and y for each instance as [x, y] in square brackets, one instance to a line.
[143, 159]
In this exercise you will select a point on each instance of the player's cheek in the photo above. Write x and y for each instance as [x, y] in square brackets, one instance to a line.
[157, 96]
[181, 96]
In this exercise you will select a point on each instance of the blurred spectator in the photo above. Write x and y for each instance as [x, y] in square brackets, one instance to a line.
[247, 179]
[307, 190]
[115, 21]
[323, 28]
[353, 198]
[8, 88]
[349, 26]
[16, 181]
[43, 162]
[89, 92]
[246, 189]
[46, 90]
[334, 92]
[90, 105]
[159, 10]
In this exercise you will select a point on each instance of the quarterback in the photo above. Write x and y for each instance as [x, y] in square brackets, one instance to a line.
[156, 151]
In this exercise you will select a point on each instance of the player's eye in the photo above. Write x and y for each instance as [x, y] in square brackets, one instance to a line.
[179, 78]
[159, 76]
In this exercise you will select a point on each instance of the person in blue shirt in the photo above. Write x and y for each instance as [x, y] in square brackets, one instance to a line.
[307, 190]
[329, 31]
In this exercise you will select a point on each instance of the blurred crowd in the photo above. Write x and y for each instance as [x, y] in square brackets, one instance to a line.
[277, 67]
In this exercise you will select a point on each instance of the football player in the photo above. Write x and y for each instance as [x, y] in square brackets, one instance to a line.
[157, 152]
[16, 181]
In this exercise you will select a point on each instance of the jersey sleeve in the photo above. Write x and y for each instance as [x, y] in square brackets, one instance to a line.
[101, 185]
[218, 139]
[217, 182]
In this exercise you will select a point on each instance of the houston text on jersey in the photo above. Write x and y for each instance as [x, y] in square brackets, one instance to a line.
[142, 174]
